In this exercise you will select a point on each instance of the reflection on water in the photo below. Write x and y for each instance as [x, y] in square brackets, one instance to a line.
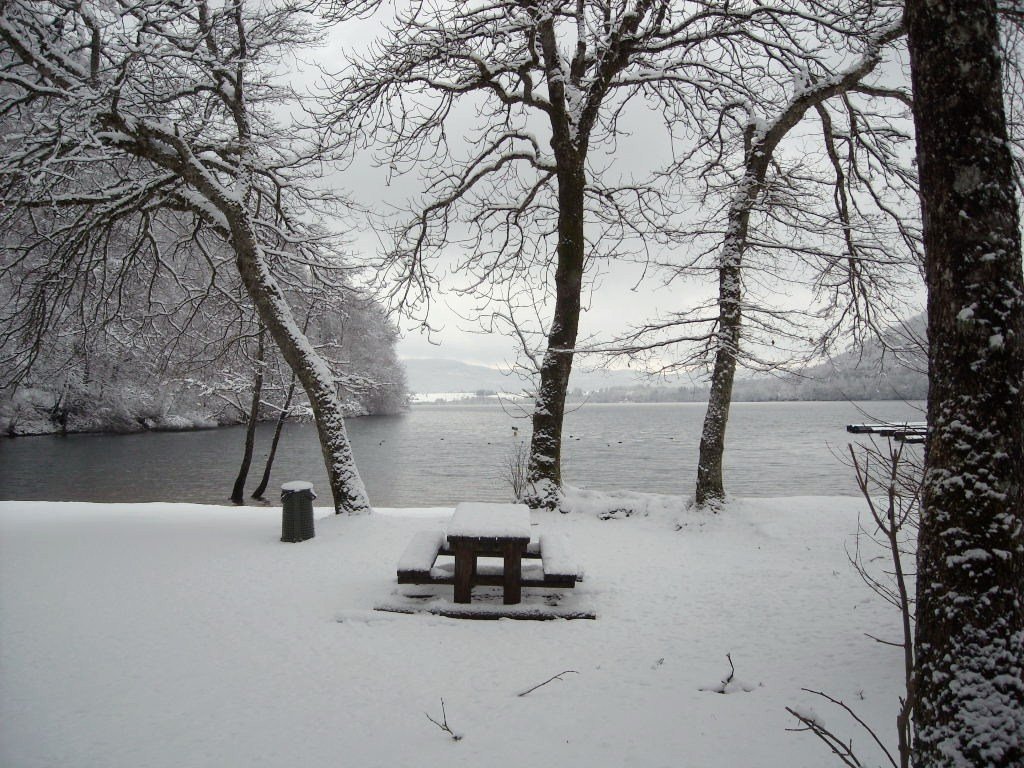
[437, 455]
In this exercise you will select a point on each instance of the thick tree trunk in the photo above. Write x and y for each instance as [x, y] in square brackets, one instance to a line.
[710, 485]
[265, 480]
[970, 585]
[238, 491]
[545, 472]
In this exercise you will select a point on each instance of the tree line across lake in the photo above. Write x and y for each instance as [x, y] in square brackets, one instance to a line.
[102, 382]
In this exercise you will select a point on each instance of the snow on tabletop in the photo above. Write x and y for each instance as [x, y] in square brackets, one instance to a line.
[479, 519]
[176, 613]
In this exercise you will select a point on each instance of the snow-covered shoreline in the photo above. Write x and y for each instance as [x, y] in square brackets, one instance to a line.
[101, 425]
[189, 635]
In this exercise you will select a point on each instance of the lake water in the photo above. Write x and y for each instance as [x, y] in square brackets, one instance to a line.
[437, 455]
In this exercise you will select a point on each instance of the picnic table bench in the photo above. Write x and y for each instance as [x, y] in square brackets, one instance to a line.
[488, 530]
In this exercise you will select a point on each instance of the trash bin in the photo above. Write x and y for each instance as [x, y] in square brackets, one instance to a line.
[297, 516]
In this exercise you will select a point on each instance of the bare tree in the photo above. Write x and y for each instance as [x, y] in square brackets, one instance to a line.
[122, 114]
[889, 474]
[238, 489]
[761, 141]
[261, 488]
[515, 469]
[969, 644]
[124, 337]
[525, 182]
[818, 214]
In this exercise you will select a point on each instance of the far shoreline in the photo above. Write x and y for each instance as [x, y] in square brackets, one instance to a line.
[148, 426]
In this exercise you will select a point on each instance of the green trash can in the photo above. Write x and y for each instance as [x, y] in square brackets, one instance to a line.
[297, 516]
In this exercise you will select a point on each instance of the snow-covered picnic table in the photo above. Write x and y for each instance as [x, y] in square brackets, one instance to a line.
[480, 529]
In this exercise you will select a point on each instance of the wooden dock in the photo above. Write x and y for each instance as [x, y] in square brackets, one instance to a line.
[903, 431]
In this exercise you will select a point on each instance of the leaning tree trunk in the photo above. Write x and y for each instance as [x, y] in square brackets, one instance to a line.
[545, 471]
[238, 491]
[970, 585]
[224, 207]
[313, 373]
[275, 441]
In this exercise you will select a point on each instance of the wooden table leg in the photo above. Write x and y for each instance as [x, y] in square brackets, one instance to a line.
[465, 567]
[513, 571]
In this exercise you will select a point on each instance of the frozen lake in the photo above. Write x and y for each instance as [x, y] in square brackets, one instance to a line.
[436, 455]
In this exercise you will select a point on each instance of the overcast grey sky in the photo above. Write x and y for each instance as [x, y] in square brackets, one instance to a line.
[613, 306]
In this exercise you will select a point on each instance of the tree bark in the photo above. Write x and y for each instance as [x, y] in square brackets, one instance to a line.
[238, 491]
[545, 472]
[710, 484]
[758, 149]
[970, 587]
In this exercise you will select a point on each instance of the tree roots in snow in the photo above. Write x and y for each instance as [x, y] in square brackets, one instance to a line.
[730, 684]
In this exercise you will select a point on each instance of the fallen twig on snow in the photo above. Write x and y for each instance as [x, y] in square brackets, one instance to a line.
[443, 725]
[732, 673]
[730, 684]
[554, 677]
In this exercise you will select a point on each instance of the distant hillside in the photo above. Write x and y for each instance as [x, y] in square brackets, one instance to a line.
[891, 370]
[428, 375]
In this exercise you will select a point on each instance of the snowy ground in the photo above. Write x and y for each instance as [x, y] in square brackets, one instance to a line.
[182, 635]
